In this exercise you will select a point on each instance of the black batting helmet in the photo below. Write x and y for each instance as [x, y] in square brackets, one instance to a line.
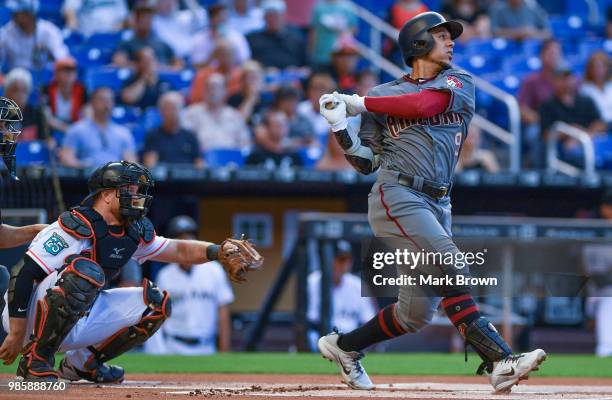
[415, 38]
[181, 224]
[133, 181]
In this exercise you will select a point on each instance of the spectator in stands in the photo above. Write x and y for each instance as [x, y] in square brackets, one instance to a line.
[246, 17]
[66, 96]
[609, 23]
[344, 64]
[301, 132]
[271, 150]
[473, 156]
[200, 322]
[27, 41]
[330, 20]
[277, 45]
[205, 42]
[333, 159]
[597, 84]
[18, 87]
[142, 35]
[318, 84]
[349, 309]
[535, 89]
[95, 16]
[403, 10]
[217, 125]
[179, 27]
[473, 17]
[299, 14]
[519, 20]
[96, 140]
[169, 143]
[248, 100]
[366, 80]
[144, 87]
[568, 106]
[224, 57]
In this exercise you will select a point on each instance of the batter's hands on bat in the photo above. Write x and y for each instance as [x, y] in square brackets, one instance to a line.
[10, 349]
[333, 111]
[355, 104]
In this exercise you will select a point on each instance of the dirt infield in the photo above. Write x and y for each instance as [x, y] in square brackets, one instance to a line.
[220, 386]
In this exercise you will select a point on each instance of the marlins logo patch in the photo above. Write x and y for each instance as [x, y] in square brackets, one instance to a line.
[55, 244]
[453, 82]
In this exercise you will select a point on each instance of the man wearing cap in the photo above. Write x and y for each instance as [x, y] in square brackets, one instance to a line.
[66, 96]
[276, 45]
[344, 64]
[349, 309]
[569, 106]
[200, 320]
[144, 36]
[27, 41]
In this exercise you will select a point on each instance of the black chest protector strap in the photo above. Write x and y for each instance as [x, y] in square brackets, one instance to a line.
[111, 247]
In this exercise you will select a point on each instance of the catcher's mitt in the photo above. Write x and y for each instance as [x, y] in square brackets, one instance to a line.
[238, 256]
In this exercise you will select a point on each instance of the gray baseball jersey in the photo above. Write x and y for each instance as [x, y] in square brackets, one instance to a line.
[426, 147]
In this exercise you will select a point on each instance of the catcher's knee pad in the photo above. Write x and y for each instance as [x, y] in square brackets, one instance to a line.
[486, 341]
[414, 314]
[158, 310]
[57, 312]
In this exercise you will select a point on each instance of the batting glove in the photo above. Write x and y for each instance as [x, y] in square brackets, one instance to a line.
[355, 104]
[333, 111]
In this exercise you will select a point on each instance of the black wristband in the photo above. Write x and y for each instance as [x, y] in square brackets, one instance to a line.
[212, 252]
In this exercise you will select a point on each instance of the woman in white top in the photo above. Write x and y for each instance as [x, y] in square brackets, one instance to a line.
[598, 83]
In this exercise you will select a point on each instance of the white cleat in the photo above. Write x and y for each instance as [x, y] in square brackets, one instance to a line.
[514, 368]
[351, 370]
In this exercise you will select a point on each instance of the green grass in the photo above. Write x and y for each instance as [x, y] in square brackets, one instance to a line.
[387, 364]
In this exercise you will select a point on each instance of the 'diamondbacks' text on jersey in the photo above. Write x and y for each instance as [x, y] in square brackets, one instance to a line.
[427, 147]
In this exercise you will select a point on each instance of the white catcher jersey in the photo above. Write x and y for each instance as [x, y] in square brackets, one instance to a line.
[52, 245]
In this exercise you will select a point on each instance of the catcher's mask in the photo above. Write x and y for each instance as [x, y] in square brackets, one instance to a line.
[10, 128]
[132, 182]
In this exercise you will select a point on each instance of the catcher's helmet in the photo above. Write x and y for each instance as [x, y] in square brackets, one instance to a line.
[415, 38]
[181, 224]
[133, 182]
[10, 128]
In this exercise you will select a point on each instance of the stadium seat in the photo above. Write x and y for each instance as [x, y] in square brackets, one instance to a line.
[480, 64]
[106, 76]
[126, 115]
[34, 152]
[567, 27]
[310, 156]
[92, 56]
[178, 80]
[104, 40]
[72, 39]
[223, 157]
[150, 118]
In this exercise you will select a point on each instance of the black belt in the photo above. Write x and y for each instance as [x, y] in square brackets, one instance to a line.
[430, 188]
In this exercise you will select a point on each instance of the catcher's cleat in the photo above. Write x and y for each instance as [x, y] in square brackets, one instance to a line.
[33, 367]
[351, 370]
[103, 373]
[514, 368]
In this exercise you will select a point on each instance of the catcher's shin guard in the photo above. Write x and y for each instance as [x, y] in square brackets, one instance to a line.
[486, 341]
[57, 313]
[158, 310]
